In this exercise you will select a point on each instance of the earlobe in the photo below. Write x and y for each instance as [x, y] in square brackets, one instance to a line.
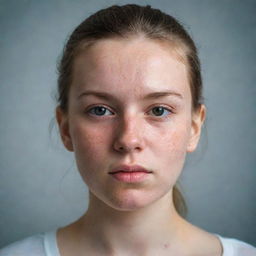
[63, 124]
[198, 119]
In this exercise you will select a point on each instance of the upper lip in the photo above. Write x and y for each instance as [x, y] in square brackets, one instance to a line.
[129, 168]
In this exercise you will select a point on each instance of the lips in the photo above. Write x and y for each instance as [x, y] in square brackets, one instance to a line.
[129, 168]
[130, 173]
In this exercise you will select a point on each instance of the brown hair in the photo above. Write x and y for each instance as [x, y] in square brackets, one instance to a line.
[124, 22]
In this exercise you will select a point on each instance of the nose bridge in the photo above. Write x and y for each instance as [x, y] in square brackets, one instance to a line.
[129, 134]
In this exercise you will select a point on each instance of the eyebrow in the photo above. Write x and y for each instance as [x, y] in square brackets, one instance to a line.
[153, 95]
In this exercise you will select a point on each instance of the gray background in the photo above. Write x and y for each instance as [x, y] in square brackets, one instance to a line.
[40, 188]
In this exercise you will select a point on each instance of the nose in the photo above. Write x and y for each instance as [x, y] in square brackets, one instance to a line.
[129, 136]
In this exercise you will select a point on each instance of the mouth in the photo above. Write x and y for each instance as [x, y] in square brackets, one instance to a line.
[129, 168]
[130, 174]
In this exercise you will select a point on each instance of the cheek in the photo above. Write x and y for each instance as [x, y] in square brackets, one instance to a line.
[174, 151]
[90, 151]
[177, 142]
[90, 144]
[88, 138]
[171, 149]
[173, 141]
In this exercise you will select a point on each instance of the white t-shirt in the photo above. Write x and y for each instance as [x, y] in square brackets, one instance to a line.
[45, 244]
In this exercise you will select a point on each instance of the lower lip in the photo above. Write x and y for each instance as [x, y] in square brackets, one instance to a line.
[130, 176]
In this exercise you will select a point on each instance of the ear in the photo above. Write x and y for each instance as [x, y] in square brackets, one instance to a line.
[62, 120]
[198, 118]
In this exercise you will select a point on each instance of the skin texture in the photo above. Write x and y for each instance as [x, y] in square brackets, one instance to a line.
[131, 218]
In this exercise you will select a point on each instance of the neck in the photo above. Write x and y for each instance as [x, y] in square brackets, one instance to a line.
[143, 231]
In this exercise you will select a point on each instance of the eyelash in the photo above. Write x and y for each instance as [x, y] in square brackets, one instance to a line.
[156, 106]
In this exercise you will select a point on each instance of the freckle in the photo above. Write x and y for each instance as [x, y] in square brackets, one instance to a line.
[166, 246]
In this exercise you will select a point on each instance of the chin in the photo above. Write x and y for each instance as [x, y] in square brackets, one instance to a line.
[132, 200]
[125, 204]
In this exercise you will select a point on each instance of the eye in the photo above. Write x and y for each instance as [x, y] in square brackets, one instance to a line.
[99, 111]
[161, 111]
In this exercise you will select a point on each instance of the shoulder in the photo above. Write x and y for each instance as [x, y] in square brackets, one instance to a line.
[235, 247]
[30, 246]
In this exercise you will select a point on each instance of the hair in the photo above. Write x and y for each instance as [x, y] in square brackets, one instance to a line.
[129, 21]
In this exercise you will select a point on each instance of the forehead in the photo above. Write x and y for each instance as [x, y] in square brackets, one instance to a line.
[137, 64]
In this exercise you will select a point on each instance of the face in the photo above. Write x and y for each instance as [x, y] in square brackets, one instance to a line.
[130, 104]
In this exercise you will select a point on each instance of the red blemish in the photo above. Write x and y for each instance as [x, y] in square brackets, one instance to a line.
[166, 246]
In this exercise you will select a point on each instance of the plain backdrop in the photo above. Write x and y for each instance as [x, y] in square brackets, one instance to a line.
[40, 188]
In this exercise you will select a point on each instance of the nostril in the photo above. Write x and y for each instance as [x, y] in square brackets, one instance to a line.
[128, 142]
[127, 148]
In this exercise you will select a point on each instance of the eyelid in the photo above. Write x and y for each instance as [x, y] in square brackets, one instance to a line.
[163, 106]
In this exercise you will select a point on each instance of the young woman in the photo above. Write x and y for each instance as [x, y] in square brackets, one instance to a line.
[130, 108]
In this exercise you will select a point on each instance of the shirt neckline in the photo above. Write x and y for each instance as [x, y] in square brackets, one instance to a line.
[50, 243]
[51, 246]
[227, 249]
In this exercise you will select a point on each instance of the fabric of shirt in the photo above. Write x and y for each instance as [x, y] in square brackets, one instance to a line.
[45, 244]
